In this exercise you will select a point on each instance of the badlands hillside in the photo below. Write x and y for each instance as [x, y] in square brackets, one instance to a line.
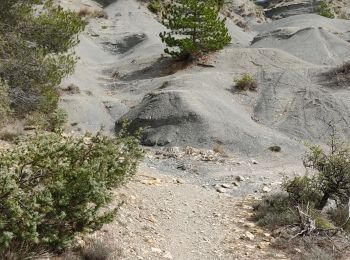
[209, 144]
[123, 74]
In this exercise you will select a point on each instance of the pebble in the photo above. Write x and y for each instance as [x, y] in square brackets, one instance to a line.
[221, 190]
[297, 250]
[240, 178]
[253, 161]
[156, 250]
[249, 225]
[167, 255]
[263, 245]
[225, 185]
[248, 236]
[154, 181]
[266, 189]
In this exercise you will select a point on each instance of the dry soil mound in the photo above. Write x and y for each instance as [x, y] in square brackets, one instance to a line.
[310, 37]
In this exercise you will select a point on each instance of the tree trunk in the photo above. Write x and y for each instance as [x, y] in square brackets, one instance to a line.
[323, 201]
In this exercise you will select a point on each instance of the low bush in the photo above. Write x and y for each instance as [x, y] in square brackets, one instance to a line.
[325, 10]
[332, 178]
[275, 211]
[302, 190]
[246, 82]
[338, 77]
[4, 103]
[97, 251]
[53, 187]
[300, 210]
[155, 6]
[92, 12]
[220, 3]
[8, 136]
[52, 122]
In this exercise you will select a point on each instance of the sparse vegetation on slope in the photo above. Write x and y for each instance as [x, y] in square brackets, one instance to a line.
[325, 10]
[155, 6]
[246, 82]
[301, 209]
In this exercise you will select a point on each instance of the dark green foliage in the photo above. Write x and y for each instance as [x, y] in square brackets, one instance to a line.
[53, 187]
[330, 180]
[35, 37]
[220, 3]
[325, 10]
[302, 190]
[333, 173]
[155, 6]
[275, 211]
[4, 103]
[194, 28]
[53, 122]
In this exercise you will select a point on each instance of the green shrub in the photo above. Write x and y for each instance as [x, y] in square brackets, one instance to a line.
[220, 3]
[9, 136]
[53, 187]
[53, 122]
[275, 211]
[330, 180]
[302, 190]
[246, 82]
[325, 10]
[333, 173]
[155, 6]
[4, 103]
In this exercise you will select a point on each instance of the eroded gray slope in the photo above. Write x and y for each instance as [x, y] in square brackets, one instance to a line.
[198, 107]
[312, 38]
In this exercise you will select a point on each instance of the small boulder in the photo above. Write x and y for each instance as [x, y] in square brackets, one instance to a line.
[248, 236]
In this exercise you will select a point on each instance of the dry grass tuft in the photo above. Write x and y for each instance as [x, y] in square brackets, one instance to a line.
[246, 82]
[87, 11]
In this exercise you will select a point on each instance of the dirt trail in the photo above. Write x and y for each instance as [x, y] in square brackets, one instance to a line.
[171, 218]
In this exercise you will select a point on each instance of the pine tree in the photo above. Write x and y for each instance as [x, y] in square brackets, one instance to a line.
[194, 28]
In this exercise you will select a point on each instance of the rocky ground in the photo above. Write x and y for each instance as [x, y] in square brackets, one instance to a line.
[192, 210]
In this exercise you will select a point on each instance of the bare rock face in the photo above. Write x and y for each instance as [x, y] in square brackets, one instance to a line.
[278, 9]
[244, 13]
